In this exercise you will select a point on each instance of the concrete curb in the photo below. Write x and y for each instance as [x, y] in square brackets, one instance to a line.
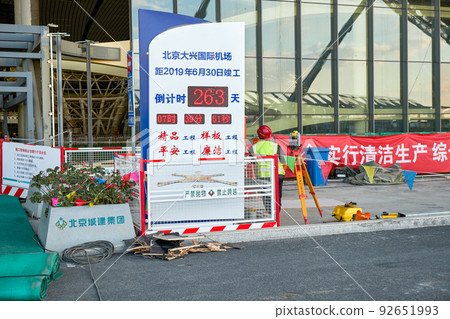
[301, 231]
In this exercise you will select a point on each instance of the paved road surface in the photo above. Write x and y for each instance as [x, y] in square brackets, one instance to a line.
[410, 264]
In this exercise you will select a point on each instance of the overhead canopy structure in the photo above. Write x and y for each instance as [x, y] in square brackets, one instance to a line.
[21, 49]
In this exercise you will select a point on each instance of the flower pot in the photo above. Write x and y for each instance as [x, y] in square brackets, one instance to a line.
[33, 209]
[65, 227]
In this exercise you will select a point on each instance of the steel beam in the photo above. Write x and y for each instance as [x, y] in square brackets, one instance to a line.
[298, 65]
[259, 61]
[89, 92]
[370, 67]
[18, 28]
[436, 68]
[7, 62]
[404, 65]
[16, 37]
[14, 45]
[20, 55]
[335, 66]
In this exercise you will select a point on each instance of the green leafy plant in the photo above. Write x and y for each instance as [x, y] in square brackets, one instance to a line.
[73, 186]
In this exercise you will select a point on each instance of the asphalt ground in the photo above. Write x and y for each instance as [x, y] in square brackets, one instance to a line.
[426, 205]
[400, 265]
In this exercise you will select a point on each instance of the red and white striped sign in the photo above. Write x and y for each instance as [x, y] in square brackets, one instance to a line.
[14, 191]
[210, 229]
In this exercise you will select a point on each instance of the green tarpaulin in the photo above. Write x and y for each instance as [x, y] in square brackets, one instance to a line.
[33, 264]
[25, 269]
[23, 288]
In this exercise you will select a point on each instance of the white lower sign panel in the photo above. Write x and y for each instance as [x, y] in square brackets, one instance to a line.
[206, 192]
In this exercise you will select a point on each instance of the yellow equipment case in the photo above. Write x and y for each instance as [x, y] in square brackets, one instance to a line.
[347, 212]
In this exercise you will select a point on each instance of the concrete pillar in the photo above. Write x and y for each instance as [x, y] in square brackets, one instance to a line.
[26, 12]
[22, 120]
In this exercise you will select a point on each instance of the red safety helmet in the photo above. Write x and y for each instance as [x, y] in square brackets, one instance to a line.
[264, 132]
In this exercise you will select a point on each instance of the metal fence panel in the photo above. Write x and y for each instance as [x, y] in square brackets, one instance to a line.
[253, 202]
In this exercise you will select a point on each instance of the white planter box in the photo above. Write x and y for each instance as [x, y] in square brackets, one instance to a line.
[33, 209]
[65, 227]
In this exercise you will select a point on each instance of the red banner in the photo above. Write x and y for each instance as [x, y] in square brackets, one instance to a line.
[422, 153]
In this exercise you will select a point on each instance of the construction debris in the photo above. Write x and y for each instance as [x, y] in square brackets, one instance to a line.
[170, 246]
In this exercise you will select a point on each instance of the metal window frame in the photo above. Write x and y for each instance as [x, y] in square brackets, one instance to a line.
[335, 65]
[436, 64]
[370, 65]
[404, 99]
[298, 64]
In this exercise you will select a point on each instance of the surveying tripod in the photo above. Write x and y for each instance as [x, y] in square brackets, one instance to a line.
[301, 173]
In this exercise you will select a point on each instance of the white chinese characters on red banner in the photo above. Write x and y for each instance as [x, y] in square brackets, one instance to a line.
[422, 153]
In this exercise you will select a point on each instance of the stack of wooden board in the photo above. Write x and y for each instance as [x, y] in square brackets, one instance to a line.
[170, 246]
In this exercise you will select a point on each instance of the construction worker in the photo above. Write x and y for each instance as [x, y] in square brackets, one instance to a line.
[268, 146]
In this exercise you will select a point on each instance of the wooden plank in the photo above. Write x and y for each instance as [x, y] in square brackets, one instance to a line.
[139, 248]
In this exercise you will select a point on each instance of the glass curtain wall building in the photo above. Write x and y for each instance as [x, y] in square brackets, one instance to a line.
[339, 66]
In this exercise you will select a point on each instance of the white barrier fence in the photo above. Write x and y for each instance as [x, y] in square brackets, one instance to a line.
[191, 202]
[93, 157]
[127, 164]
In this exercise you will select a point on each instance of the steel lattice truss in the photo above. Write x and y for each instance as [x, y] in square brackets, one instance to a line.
[109, 102]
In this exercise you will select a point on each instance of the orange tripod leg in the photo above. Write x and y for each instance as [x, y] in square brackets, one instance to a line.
[310, 186]
[301, 188]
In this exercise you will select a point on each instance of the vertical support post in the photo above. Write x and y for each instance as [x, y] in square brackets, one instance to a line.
[70, 139]
[277, 191]
[30, 113]
[89, 92]
[218, 10]
[370, 67]
[404, 65]
[5, 120]
[62, 158]
[298, 65]
[59, 98]
[436, 54]
[259, 62]
[142, 195]
[175, 6]
[45, 85]
[5, 117]
[52, 86]
[335, 65]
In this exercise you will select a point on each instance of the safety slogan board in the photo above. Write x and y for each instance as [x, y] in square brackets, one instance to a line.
[196, 93]
[21, 162]
[196, 117]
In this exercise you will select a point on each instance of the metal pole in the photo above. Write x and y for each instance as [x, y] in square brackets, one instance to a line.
[436, 65]
[259, 62]
[404, 98]
[52, 90]
[335, 67]
[89, 92]
[370, 66]
[59, 99]
[5, 117]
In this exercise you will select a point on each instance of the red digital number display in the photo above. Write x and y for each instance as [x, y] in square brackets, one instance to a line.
[166, 118]
[208, 96]
[194, 118]
[221, 119]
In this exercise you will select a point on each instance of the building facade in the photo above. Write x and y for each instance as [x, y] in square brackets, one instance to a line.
[339, 66]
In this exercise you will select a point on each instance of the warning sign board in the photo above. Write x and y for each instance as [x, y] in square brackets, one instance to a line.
[196, 93]
[20, 162]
